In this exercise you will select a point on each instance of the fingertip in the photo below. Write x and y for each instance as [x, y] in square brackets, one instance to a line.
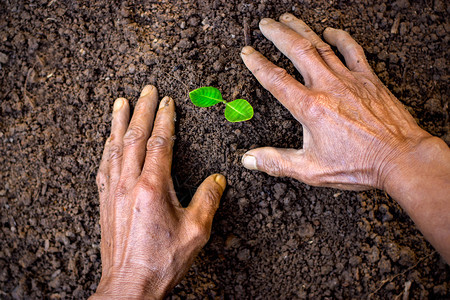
[329, 35]
[207, 198]
[221, 181]
[287, 17]
[147, 90]
[328, 30]
[166, 102]
[119, 103]
[249, 161]
[266, 21]
[247, 50]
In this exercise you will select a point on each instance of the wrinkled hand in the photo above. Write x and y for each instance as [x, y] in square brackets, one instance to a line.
[354, 129]
[148, 241]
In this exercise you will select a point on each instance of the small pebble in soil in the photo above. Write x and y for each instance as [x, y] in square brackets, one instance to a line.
[391, 286]
[131, 69]
[232, 241]
[243, 255]
[3, 58]
[306, 230]
[374, 255]
[386, 215]
[194, 21]
[217, 66]
[355, 260]
[442, 289]
[433, 106]
[401, 4]
[393, 251]
[325, 251]
[407, 257]
[279, 190]
[384, 265]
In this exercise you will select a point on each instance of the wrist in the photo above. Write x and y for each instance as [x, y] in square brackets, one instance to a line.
[423, 162]
[129, 285]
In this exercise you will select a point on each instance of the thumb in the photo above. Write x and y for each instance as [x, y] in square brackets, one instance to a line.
[207, 198]
[276, 161]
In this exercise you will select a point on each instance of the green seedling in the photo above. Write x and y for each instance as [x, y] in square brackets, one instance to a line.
[235, 111]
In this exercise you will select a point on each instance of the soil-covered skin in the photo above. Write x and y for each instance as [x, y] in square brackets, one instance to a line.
[64, 62]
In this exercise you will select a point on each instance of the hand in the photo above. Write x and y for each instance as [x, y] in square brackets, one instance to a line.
[353, 127]
[148, 241]
[356, 134]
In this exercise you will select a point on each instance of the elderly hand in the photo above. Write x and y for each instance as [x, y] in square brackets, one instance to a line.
[148, 241]
[353, 127]
[356, 134]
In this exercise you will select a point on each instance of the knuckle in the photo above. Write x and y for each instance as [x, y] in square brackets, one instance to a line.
[147, 189]
[276, 167]
[300, 47]
[211, 197]
[278, 77]
[313, 110]
[115, 151]
[324, 49]
[312, 107]
[158, 142]
[121, 189]
[133, 135]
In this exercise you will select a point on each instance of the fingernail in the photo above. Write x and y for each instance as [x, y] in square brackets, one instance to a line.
[146, 90]
[247, 50]
[287, 17]
[221, 180]
[249, 161]
[118, 104]
[164, 102]
[265, 21]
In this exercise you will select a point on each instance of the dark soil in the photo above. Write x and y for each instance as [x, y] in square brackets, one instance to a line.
[64, 62]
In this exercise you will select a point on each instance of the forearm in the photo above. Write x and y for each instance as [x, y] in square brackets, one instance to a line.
[420, 183]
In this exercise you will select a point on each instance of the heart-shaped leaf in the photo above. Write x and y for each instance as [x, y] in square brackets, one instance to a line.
[206, 96]
[238, 110]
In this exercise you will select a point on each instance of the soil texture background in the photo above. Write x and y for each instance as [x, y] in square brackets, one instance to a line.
[62, 64]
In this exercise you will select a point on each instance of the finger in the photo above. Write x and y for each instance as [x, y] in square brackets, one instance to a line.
[353, 53]
[102, 175]
[206, 200]
[275, 161]
[291, 93]
[103, 170]
[121, 116]
[158, 159]
[322, 48]
[297, 48]
[138, 132]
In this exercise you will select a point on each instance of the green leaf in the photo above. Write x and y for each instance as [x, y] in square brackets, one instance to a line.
[206, 96]
[238, 110]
